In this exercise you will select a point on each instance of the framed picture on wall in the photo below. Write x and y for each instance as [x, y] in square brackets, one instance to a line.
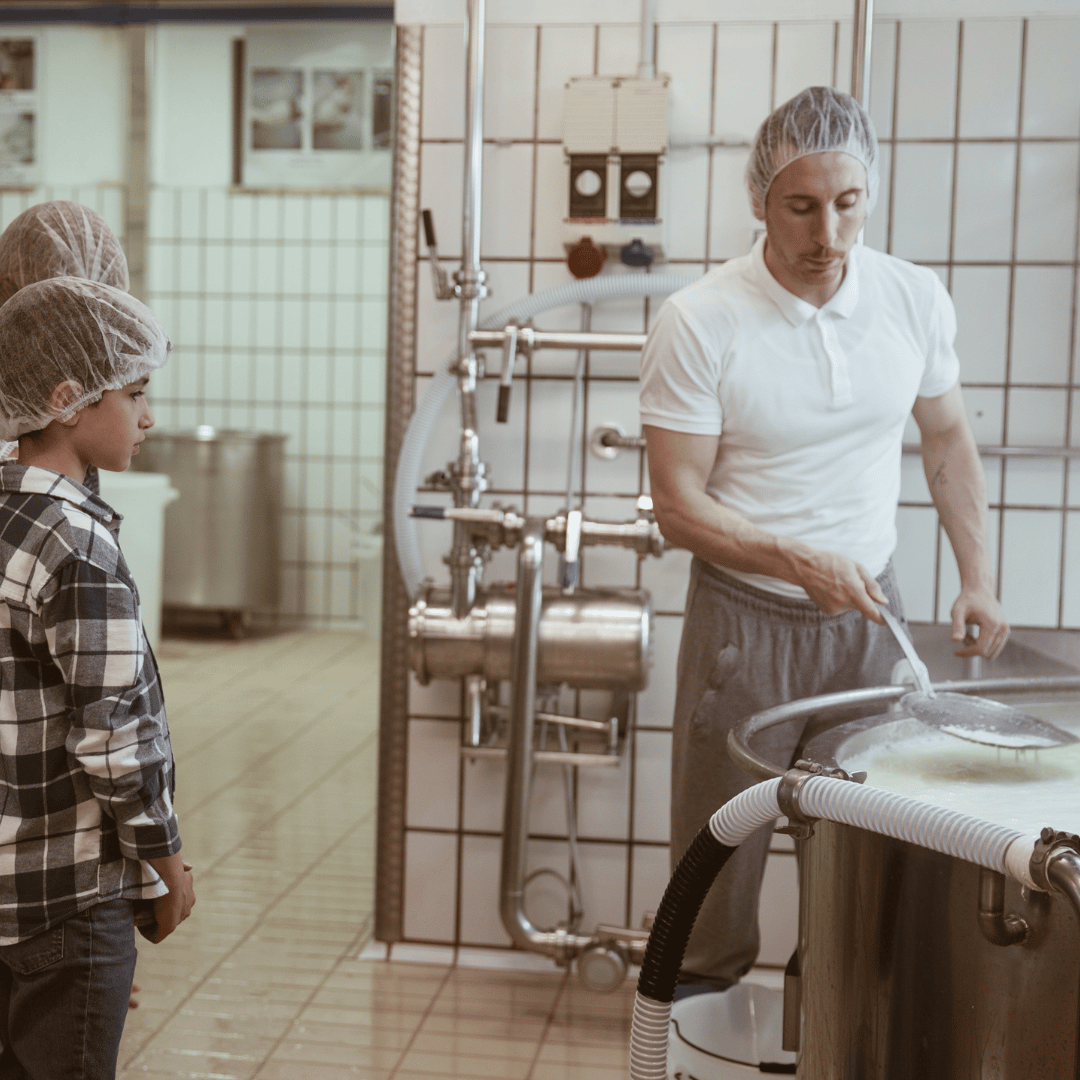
[19, 164]
[314, 108]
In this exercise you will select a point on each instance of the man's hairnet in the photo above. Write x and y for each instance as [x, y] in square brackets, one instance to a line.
[815, 121]
[69, 330]
[59, 238]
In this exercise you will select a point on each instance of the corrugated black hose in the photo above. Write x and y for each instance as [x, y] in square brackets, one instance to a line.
[686, 892]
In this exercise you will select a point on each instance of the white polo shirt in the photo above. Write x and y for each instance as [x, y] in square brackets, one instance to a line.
[809, 403]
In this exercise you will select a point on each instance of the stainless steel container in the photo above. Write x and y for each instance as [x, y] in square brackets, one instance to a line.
[590, 638]
[898, 981]
[223, 533]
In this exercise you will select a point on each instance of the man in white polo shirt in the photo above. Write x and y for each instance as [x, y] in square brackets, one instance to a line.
[774, 395]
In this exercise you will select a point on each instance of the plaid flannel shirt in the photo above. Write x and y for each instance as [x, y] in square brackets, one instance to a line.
[86, 767]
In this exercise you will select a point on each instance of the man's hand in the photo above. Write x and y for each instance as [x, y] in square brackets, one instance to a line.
[838, 584]
[173, 908]
[979, 606]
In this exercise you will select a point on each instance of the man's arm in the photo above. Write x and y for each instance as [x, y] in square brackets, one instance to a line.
[679, 469]
[958, 488]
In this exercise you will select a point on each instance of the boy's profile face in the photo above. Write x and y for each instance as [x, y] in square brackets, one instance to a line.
[109, 431]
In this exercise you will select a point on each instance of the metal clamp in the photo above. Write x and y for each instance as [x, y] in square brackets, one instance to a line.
[791, 783]
[1050, 844]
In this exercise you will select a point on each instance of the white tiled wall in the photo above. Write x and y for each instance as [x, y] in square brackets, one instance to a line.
[995, 215]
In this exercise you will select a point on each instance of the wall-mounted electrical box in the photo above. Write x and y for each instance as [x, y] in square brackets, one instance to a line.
[615, 137]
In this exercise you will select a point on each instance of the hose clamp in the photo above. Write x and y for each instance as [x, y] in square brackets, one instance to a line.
[787, 795]
[1049, 845]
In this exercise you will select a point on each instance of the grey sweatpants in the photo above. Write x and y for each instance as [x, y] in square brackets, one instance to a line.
[744, 650]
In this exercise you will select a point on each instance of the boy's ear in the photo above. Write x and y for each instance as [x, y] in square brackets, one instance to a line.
[65, 395]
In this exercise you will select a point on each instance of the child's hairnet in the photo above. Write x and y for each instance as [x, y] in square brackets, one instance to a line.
[817, 120]
[59, 238]
[69, 330]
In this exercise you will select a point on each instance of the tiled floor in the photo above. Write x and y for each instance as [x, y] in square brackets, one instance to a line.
[275, 741]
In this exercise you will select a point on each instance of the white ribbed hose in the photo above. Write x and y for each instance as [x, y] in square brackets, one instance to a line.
[825, 798]
[410, 460]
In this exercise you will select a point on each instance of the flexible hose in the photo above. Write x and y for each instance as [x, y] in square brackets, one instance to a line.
[819, 797]
[410, 460]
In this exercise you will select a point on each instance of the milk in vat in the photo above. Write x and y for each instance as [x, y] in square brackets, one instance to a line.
[1024, 790]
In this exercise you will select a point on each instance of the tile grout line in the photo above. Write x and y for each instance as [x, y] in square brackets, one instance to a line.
[548, 1022]
[244, 938]
[361, 934]
[239, 677]
[320, 718]
[423, 1019]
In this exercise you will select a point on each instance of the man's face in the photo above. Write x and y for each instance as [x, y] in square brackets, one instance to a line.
[813, 213]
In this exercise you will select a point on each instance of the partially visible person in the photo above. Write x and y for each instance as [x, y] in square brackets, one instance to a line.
[60, 238]
[87, 828]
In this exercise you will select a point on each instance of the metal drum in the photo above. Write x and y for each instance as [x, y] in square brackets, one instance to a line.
[898, 980]
[222, 535]
[591, 638]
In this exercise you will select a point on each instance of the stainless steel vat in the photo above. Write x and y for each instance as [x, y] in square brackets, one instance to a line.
[897, 980]
[589, 638]
[223, 534]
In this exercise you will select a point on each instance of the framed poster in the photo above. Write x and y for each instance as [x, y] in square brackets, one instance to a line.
[316, 108]
[19, 164]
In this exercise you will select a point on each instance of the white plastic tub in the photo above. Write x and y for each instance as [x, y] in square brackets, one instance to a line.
[141, 498]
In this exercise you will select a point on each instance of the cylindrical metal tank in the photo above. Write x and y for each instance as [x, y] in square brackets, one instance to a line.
[897, 980]
[223, 533]
[589, 638]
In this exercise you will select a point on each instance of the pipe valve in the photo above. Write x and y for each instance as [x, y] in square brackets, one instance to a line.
[443, 289]
[514, 340]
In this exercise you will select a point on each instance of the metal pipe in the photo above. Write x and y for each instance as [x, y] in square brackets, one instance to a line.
[849, 700]
[519, 756]
[572, 461]
[531, 339]
[861, 51]
[1014, 451]
[997, 927]
[1064, 875]
[465, 562]
[647, 54]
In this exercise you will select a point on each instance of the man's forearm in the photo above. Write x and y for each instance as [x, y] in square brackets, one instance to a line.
[957, 483]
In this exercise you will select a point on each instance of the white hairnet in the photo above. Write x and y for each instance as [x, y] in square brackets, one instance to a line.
[68, 329]
[816, 121]
[59, 238]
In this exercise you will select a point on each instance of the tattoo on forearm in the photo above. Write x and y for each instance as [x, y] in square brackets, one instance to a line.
[939, 477]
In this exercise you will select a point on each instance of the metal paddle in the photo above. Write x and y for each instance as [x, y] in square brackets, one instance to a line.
[976, 719]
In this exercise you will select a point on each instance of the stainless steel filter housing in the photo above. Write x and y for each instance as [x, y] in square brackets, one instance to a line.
[591, 638]
[898, 981]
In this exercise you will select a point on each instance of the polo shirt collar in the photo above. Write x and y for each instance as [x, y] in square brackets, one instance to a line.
[796, 310]
[29, 479]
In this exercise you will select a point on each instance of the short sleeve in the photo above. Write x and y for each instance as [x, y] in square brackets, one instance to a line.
[680, 376]
[942, 370]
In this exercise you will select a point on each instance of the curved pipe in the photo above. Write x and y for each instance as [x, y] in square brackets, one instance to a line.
[1064, 875]
[815, 797]
[558, 944]
[997, 927]
[410, 459]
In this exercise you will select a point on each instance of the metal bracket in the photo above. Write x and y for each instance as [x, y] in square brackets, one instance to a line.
[787, 795]
[1050, 843]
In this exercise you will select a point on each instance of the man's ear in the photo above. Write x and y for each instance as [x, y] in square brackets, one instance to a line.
[65, 395]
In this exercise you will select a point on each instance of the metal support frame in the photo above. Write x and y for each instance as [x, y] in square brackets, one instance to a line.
[400, 377]
[137, 193]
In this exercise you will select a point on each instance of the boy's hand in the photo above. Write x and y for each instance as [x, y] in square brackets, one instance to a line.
[173, 908]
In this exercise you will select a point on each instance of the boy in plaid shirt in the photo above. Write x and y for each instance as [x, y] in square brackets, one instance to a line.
[87, 829]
